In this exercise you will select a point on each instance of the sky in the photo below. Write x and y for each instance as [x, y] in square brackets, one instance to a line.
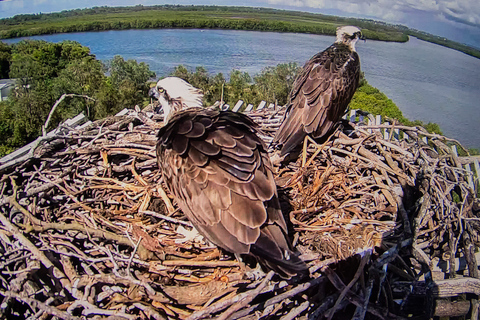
[456, 20]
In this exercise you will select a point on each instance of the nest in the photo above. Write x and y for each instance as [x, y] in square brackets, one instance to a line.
[389, 227]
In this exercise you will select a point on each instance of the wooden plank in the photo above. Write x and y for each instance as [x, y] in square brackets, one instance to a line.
[454, 150]
[237, 106]
[476, 165]
[271, 106]
[370, 122]
[86, 124]
[122, 113]
[469, 176]
[396, 134]
[72, 123]
[249, 107]
[386, 133]
[353, 115]
[378, 121]
[75, 121]
[261, 105]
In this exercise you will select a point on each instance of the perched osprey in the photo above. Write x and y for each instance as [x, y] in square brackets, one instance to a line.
[220, 174]
[322, 92]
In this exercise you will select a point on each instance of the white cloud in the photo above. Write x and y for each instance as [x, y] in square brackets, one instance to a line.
[467, 11]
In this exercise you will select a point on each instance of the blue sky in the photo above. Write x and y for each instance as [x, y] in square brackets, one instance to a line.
[457, 20]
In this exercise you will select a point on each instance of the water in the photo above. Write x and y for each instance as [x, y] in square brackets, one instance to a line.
[427, 82]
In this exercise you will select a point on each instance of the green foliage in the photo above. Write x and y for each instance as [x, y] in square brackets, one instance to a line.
[130, 77]
[370, 99]
[474, 151]
[275, 83]
[5, 56]
[137, 73]
[45, 71]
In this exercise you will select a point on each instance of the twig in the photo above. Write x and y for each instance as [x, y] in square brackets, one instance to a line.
[296, 311]
[65, 95]
[365, 258]
[244, 302]
[39, 305]
[224, 304]
[37, 253]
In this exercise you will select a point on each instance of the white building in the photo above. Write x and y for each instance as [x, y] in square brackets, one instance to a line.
[6, 85]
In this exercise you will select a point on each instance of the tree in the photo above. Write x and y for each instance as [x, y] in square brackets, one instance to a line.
[137, 73]
[5, 56]
[275, 83]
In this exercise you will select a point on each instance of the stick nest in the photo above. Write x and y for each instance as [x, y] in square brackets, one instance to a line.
[389, 229]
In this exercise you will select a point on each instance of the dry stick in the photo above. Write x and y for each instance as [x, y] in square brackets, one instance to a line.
[353, 298]
[296, 311]
[243, 303]
[39, 305]
[325, 305]
[90, 309]
[165, 199]
[366, 256]
[207, 264]
[37, 253]
[362, 310]
[166, 218]
[149, 310]
[65, 95]
[416, 130]
[224, 304]
[377, 162]
[40, 226]
[298, 289]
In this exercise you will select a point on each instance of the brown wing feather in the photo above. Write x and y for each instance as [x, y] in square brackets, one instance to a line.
[222, 181]
[319, 97]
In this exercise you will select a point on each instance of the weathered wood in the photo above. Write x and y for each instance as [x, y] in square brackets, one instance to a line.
[446, 308]
[237, 106]
[261, 105]
[94, 203]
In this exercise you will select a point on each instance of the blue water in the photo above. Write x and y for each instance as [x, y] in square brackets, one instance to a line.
[428, 82]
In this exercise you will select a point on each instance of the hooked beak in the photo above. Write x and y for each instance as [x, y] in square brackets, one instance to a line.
[362, 37]
[153, 93]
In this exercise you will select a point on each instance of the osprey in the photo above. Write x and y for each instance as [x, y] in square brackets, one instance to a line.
[220, 174]
[322, 92]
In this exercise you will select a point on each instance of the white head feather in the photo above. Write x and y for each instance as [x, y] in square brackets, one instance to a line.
[176, 94]
[348, 35]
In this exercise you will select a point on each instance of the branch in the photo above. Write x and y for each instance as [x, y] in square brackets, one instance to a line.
[39, 305]
[71, 95]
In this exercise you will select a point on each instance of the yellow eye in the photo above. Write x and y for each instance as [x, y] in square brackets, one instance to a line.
[161, 90]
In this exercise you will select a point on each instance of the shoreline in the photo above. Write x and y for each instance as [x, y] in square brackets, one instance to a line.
[209, 17]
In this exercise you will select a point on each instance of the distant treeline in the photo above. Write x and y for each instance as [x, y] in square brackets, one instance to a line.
[172, 16]
[208, 17]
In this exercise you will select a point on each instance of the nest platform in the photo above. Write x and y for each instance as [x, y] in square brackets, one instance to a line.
[387, 223]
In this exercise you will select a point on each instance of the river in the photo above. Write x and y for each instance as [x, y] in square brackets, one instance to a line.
[427, 82]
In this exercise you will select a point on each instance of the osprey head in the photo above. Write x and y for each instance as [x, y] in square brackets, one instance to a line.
[175, 94]
[349, 35]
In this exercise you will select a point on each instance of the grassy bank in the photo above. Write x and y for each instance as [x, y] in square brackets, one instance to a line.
[167, 16]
